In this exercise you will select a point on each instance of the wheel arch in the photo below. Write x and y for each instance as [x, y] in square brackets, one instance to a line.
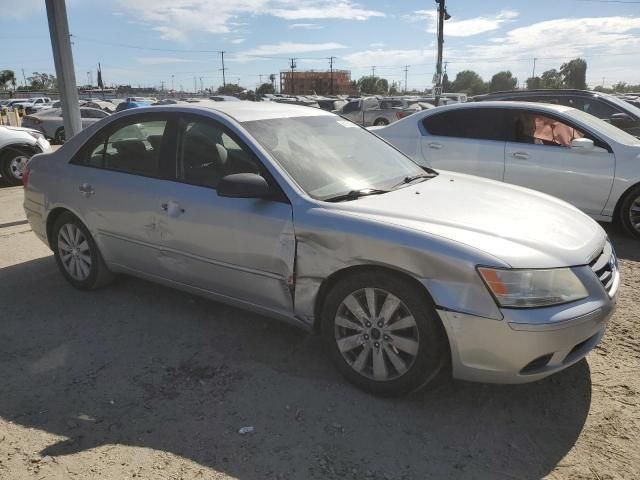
[53, 215]
[33, 149]
[621, 200]
[328, 283]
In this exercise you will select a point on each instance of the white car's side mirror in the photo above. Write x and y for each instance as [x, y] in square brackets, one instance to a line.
[582, 144]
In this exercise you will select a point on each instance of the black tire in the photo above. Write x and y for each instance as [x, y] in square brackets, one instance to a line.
[380, 122]
[629, 213]
[10, 162]
[59, 137]
[432, 352]
[99, 275]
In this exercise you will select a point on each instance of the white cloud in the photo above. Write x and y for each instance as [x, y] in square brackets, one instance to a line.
[176, 19]
[306, 26]
[377, 45]
[237, 41]
[285, 48]
[390, 57]
[463, 28]
[117, 14]
[161, 60]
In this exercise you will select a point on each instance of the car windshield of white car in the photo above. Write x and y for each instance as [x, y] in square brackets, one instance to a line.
[328, 156]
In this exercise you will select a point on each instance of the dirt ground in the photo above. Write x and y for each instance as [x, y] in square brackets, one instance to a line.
[140, 381]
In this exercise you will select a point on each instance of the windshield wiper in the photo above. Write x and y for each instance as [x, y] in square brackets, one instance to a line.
[355, 194]
[412, 178]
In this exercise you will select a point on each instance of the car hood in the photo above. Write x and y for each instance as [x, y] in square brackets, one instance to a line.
[520, 227]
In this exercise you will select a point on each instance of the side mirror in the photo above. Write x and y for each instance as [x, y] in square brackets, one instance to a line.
[621, 120]
[244, 185]
[582, 144]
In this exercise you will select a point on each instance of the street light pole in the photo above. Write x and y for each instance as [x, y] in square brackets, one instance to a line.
[63, 60]
[441, 14]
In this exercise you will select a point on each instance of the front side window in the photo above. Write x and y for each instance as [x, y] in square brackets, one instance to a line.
[539, 129]
[131, 148]
[350, 107]
[328, 156]
[475, 123]
[207, 152]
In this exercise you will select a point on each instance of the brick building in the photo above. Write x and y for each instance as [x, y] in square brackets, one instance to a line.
[313, 82]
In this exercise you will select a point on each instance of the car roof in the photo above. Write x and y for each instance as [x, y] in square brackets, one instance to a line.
[246, 111]
[504, 104]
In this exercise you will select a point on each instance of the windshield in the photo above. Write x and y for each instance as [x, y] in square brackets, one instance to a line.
[600, 126]
[328, 156]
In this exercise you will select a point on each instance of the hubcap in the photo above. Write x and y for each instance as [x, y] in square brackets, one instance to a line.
[376, 334]
[73, 248]
[634, 214]
[17, 166]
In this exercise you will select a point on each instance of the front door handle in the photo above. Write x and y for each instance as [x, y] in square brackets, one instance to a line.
[520, 155]
[434, 145]
[86, 190]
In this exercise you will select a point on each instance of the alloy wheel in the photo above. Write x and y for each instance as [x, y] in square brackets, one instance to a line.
[74, 252]
[376, 334]
[17, 165]
[634, 214]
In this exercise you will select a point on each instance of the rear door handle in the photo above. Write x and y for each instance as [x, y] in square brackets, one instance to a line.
[86, 190]
[520, 155]
[434, 145]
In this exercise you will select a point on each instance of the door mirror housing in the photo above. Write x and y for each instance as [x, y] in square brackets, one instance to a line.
[582, 144]
[244, 185]
[621, 120]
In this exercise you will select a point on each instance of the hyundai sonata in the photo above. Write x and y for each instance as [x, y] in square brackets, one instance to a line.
[298, 214]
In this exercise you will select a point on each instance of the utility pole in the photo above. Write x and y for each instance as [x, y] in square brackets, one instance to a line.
[201, 87]
[63, 60]
[172, 87]
[442, 12]
[24, 78]
[293, 67]
[224, 82]
[162, 85]
[443, 74]
[195, 86]
[331, 59]
[373, 70]
[603, 81]
[533, 73]
[406, 70]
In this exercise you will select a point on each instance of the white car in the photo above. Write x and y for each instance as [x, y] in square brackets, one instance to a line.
[17, 146]
[555, 149]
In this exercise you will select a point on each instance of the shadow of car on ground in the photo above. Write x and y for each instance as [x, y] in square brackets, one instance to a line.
[139, 364]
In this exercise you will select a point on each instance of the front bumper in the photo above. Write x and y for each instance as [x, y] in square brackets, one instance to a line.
[530, 344]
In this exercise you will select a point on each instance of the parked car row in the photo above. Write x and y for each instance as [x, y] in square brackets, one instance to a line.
[304, 216]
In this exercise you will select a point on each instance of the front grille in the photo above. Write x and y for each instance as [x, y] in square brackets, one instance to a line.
[605, 266]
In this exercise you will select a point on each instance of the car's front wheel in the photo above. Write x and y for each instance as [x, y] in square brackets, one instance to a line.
[12, 165]
[383, 332]
[630, 212]
[77, 254]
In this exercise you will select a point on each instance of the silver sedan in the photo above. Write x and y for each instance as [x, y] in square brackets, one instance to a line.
[303, 216]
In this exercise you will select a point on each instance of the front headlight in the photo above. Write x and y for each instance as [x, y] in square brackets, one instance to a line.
[533, 288]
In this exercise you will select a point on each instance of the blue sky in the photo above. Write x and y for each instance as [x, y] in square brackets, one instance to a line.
[145, 42]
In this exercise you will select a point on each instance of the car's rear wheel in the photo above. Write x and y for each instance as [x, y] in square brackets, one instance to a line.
[383, 332]
[59, 137]
[630, 212]
[77, 254]
[380, 122]
[13, 163]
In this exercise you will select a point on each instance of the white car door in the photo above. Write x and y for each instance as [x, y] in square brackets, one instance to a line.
[466, 140]
[539, 155]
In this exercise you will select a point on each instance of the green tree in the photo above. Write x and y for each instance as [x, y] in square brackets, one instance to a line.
[469, 82]
[503, 81]
[373, 85]
[574, 74]
[230, 89]
[446, 83]
[42, 81]
[394, 88]
[7, 77]
[534, 82]
[551, 79]
[266, 88]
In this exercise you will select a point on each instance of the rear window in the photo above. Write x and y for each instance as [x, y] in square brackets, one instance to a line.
[474, 123]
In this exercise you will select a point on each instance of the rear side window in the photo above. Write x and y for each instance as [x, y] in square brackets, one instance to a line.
[475, 123]
[593, 106]
[133, 147]
[350, 107]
